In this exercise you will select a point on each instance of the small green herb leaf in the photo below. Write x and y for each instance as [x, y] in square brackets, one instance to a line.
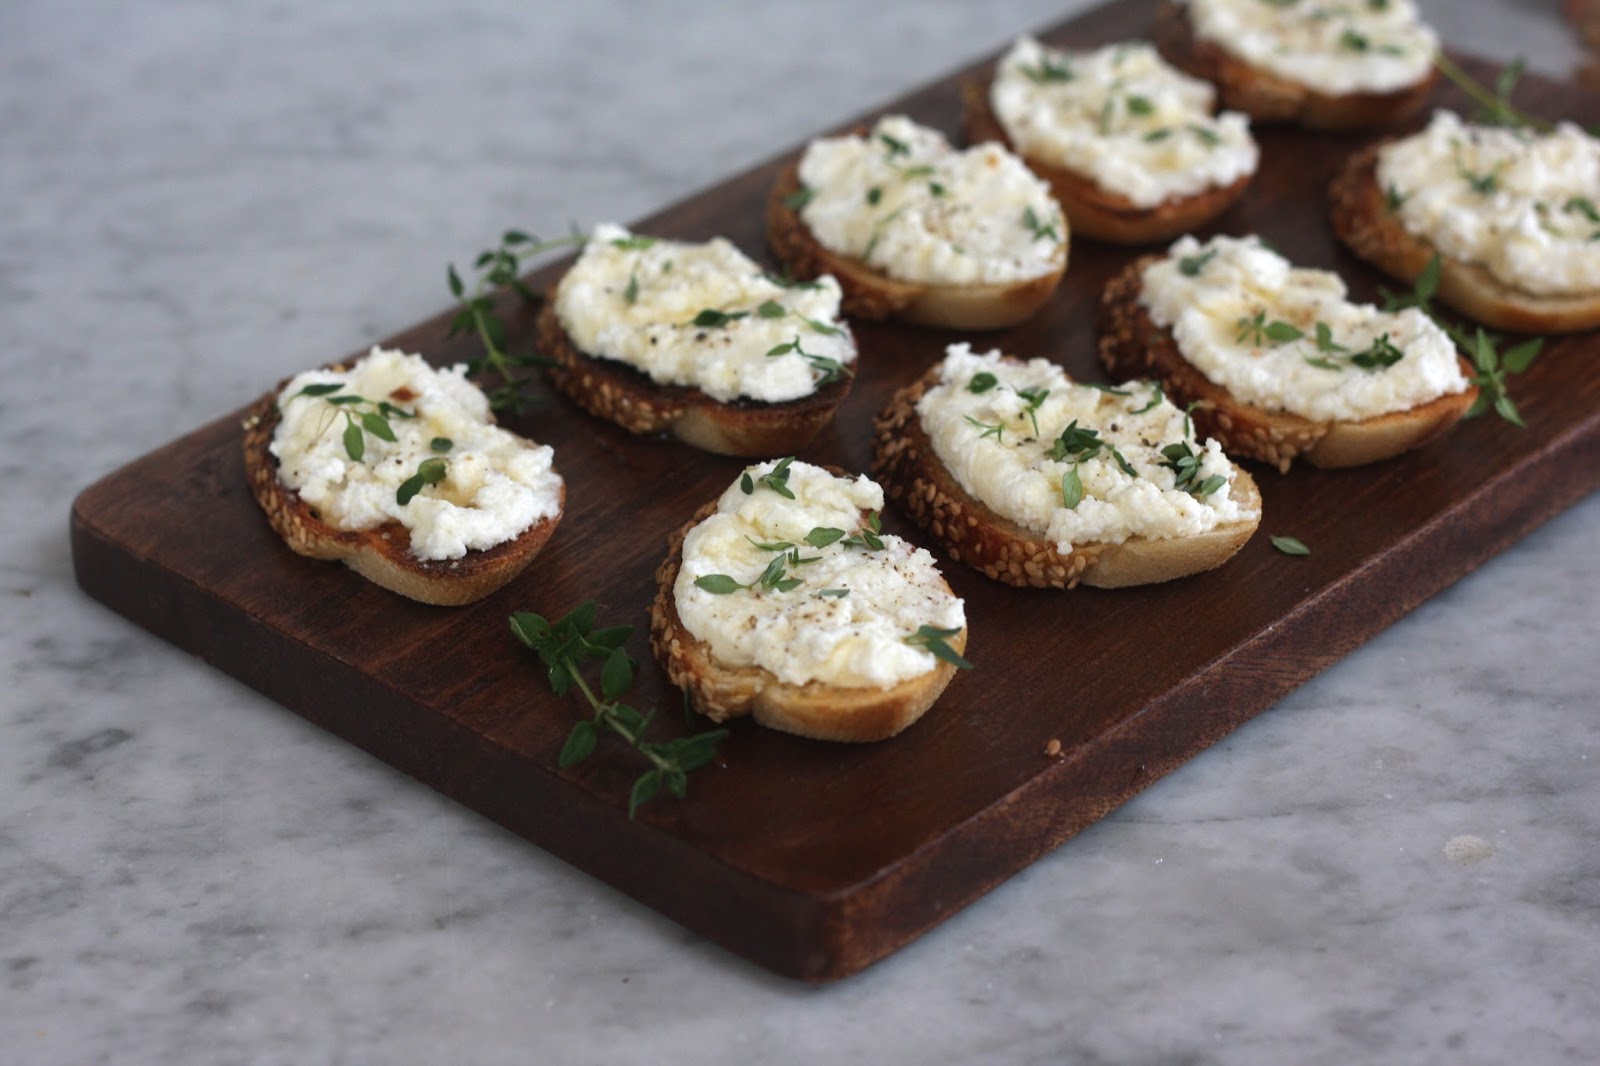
[717, 584]
[936, 641]
[1290, 546]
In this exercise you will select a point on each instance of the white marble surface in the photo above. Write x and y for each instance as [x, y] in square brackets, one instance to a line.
[196, 199]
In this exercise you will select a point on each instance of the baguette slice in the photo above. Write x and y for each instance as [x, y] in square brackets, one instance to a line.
[1132, 345]
[1362, 220]
[382, 554]
[1269, 97]
[1093, 211]
[815, 709]
[871, 294]
[912, 474]
[615, 391]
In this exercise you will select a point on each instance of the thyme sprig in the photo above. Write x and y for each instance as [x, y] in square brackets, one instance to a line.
[1494, 106]
[936, 641]
[1257, 331]
[501, 268]
[571, 641]
[1481, 347]
[361, 415]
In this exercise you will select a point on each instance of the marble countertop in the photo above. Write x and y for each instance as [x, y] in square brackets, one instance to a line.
[1399, 863]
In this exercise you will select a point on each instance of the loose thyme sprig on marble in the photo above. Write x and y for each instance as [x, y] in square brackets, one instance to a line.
[564, 646]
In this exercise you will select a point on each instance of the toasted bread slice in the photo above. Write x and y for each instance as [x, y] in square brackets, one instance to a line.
[1093, 211]
[816, 710]
[615, 391]
[869, 293]
[912, 474]
[382, 554]
[1269, 97]
[1132, 345]
[1363, 221]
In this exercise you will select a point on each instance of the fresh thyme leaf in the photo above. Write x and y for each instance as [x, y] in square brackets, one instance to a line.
[1380, 354]
[441, 444]
[1040, 229]
[1290, 546]
[1325, 342]
[1191, 265]
[377, 425]
[822, 536]
[1321, 363]
[1071, 488]
[1140, 105]
[711, 318]
[429, 472]
[355, 445]
[1207, 135]
[997, 430]
[717, 584]
[771, 309]
[835, 593]
[324, 389]
[746, 484]
[820, 326]
[1034, 398]
[1075, 442]
[1584, 206]
[1155, 400]
[1393, 199]
[771, 546]
[1283, 332]
[874, 196]
[1354, 41]
[982, 382]
[935, 640]
[1159, 134]
[1050, 69]
[631, 293]
[777, 479]
[895, 146]
[635, 243]
[797, 200]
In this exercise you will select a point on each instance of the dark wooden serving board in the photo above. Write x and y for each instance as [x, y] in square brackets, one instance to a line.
[816, 859]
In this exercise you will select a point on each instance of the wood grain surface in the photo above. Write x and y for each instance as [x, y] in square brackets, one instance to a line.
[817, 859]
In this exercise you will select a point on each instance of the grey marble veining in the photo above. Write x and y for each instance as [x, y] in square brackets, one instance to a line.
[1397, 864]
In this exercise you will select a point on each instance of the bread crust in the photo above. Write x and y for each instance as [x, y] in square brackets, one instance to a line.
[1093, 211]
[1132, 345]
[913, 476]
[617, 392]
[1358, 209]
[381, 555]
[1269, 97]
[874, 295]
[816, 710]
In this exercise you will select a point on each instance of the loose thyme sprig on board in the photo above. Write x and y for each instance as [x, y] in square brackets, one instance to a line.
[1482, 347]
[501, 268]
[1494, 106]
[564, 646]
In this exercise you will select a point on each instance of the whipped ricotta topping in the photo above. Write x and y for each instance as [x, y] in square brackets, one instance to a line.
[902, 200]
[645, 302]
[1333, 46]
[1522, 204]
[494, 486]
[1012, 434]
[1121, 117]
[846, 620]
[1286, 338]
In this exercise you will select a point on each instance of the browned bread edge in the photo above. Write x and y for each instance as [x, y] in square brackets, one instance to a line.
[610, 389]
[904, 461]
[1091, 210]
[815, 710]
[381, 555]
[1361, 218]
[1268, 97]
[1132, 345]
[874, 295]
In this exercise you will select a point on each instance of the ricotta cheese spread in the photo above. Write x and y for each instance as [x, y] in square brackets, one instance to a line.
[704, 316]
[766, 582]
[1075, 463]
[335, 452]
[1524, 205]
[1122, 118]
[1287, 339]
[905, 202]
[1337, 47]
